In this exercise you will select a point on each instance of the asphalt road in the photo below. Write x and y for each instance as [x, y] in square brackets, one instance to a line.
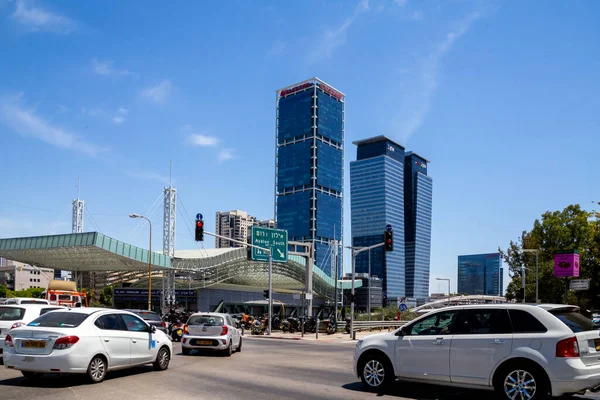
[265, 369]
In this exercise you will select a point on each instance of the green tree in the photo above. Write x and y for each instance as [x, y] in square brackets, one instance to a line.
[106, 296]
[569, 229]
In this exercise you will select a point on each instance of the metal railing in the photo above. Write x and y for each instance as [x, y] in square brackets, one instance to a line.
[368, 325]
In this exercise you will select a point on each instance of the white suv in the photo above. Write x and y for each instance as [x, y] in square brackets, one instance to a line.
[521, 351]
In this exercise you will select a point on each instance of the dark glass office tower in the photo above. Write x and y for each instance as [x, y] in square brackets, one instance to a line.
[418, 191]
[377, 199]
[480, 274]
[309, 166]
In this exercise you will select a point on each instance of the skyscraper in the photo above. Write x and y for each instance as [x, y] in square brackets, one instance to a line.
[232, 224]
[480, 274]
[309, 165]
[418, 191]
[377, 199]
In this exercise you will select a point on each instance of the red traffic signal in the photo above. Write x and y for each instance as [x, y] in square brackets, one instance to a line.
[199, 224]
[199, 230]
[388, 240]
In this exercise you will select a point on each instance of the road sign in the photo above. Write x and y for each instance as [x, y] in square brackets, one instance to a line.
[274, 239]
[403, 307]
[198, 216]
[580, 284]
[308, 296]
[296, 296]
[388, 228]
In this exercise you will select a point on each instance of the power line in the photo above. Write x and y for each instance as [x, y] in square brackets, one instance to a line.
[92, 220]
[24, 206]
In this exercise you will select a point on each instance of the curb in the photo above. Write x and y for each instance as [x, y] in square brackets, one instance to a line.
[275, 337]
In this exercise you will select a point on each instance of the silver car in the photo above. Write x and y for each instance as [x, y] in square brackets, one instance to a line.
[213, 331]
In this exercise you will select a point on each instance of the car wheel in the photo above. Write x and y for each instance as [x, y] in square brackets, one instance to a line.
[524, 382]
[97, 369]
[162, 360]
[239, 348]
[185, 351]
[376, 373]
[229, 350]
[31, 375]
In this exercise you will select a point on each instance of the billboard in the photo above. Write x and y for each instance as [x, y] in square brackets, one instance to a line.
[566, 264]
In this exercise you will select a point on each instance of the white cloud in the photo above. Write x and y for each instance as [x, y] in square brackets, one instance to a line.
[148, 175]
[278, 48]
[159, 93]
[202, 140]
[334, 38]
[123, 110]
[120, 117]
[118, 120]
[419, 89]
[37, 19]
[28, 123]
[401, 3]
[225, 154]
[105, 68]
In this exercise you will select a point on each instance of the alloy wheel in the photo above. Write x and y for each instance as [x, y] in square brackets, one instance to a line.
[97, 369]
[520, 385]
[374, 373]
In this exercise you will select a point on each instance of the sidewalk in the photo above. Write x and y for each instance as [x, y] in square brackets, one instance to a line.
[323, 337]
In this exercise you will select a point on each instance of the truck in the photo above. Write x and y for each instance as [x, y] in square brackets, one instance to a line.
[64, 293]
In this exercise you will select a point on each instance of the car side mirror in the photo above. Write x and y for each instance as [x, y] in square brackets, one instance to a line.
[402, 331]
[152, 329]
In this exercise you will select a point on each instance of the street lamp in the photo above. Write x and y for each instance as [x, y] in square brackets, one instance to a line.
[149, 260]
[536, 251]
[445, 279]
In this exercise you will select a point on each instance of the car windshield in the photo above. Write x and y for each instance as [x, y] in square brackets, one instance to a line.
[11, 313]
[59, 320]
[574, 320]
[148, 316]
[207, 320]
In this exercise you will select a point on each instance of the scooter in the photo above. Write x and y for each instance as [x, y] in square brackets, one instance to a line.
[176, 331]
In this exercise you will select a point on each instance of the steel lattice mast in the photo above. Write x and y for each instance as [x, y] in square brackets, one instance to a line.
[169, 229]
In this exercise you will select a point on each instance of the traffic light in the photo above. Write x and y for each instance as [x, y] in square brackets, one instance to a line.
[266, 294]
[388, 239]
[199, 230]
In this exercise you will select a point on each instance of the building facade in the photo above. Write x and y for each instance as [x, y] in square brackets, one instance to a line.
[266, 223]
[376, 200]
[418, 193]
[19, 276]
[233, 224]
[309, 167]
[481, 274]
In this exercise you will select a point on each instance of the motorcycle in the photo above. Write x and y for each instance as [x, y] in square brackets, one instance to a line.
[256, 327]
[331, 327]
[176, 331]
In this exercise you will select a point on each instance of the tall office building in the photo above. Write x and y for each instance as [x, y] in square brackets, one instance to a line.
[418, 191]
[232, 224]
[309, 166]
[480, 274]
[377, 199]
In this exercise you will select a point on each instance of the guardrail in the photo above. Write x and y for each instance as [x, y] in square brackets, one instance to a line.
[367, 325]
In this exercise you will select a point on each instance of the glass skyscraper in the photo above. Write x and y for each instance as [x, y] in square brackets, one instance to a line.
[309, 166]
[480, 274]
[377, 199]
[418, 191]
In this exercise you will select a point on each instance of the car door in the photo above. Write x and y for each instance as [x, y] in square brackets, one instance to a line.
[423, 349]
[115, 339]
[143, 348]
[482, 339]
[235, 334]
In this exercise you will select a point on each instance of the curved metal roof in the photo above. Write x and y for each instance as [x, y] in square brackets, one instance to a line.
[459, 300]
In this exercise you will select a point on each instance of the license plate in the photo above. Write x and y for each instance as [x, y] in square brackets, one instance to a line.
[33, 344]
[203, 342]
[597, 343]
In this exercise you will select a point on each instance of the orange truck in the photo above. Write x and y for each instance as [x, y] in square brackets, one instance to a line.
[64, 293]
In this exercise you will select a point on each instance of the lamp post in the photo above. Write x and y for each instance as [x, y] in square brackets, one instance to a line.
[445, 279]
[149, 260]
[536, 251]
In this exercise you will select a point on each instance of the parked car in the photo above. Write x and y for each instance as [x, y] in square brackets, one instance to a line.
[214, 331]
[91, 341]
[520, 351]
[13, 316]
[25, 300]
[152, 318]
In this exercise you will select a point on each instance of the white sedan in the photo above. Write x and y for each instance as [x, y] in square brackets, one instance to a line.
[12, 316]
[88, 341]
[213, 331]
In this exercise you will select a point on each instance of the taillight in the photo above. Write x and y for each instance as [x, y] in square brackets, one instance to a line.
[567, 348]
[17, 324]
[185, 329]
[8, 341]
[65, 342]
[164, 324]
[225, 330]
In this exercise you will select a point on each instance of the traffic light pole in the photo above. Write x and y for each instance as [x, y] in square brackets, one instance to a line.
[355, 252]
[268, 251]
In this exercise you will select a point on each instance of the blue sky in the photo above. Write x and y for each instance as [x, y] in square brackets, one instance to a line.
[502, 97]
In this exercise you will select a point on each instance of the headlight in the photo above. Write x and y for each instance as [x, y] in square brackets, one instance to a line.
[359, 343]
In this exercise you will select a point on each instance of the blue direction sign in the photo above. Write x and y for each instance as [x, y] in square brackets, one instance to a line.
[388, 228]
[274, 239]
[403, 307]
[198, 216]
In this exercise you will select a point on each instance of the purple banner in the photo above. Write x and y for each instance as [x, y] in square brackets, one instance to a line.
[566, 265]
